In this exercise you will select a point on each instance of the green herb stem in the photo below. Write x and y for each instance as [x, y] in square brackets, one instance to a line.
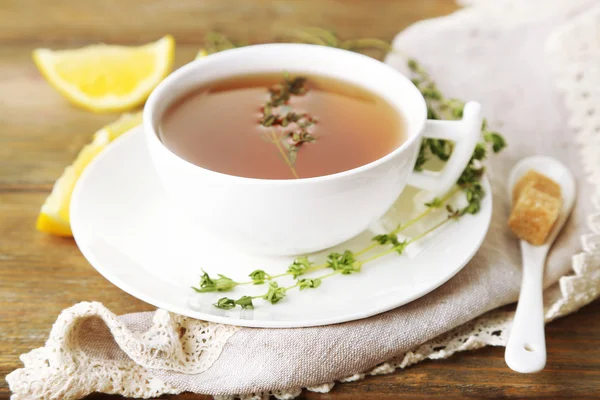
[306, 37]
[443, 200]
[366, 249]
[329, 275]
[412, 240]
[368, 43]
[285, 158]
[413, 221]
[376, 256]
[274, 277]
[298, 284]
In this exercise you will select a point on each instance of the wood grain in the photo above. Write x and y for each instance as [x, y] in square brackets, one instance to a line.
[40, 133]
[72, 21]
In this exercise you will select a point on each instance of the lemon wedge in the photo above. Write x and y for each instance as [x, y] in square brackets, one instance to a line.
[107, 77]
[54, 215]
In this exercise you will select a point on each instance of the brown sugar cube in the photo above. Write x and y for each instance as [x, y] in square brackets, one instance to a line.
[539, 182]
[534, 214]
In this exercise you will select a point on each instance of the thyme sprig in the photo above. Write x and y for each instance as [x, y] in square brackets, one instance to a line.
[441, 107]
[302, 264]
[276, 113]
[345, 263]
[349, 262]
[324, 37]
[215, 42]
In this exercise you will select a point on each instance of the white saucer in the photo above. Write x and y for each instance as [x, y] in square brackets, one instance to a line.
[127, 230]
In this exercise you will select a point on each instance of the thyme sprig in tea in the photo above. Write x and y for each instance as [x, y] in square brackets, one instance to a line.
[277, 113]
[352, 262]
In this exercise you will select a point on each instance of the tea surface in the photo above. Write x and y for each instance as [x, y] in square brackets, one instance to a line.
[250, 126]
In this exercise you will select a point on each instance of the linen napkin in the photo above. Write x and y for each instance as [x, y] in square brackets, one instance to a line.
[535, 68]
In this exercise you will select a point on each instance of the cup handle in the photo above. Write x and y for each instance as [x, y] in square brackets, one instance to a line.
[465, 134]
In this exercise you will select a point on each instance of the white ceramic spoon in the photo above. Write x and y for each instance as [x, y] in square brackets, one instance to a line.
[526, 347]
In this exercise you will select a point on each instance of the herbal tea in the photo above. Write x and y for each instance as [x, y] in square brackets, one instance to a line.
[280, 126]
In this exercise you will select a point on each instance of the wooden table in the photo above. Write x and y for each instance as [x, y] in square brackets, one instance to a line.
[40, 133]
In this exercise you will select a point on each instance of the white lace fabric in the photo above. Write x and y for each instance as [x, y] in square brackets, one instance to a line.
[148, 354]
[71, 365]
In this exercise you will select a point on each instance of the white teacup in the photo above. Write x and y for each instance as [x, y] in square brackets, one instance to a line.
[296, 216]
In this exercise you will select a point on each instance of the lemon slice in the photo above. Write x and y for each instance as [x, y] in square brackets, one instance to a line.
[54, 215]
[106, 77]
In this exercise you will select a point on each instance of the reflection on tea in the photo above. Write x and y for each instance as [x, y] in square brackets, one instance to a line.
[281, 126]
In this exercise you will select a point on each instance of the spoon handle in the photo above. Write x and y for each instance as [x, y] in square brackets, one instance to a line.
[526, 347]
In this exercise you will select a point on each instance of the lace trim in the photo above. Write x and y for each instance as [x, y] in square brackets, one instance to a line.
[172, 342]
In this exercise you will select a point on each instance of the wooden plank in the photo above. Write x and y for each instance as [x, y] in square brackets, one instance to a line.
[40, 133]
[77, 21]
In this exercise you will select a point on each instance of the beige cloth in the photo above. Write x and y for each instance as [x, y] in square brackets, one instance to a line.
[508, 55]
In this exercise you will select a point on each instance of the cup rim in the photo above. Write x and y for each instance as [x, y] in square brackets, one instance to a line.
[165, 85]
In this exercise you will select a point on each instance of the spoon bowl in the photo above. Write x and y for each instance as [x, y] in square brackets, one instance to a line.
[556, 171]
[526, 347]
